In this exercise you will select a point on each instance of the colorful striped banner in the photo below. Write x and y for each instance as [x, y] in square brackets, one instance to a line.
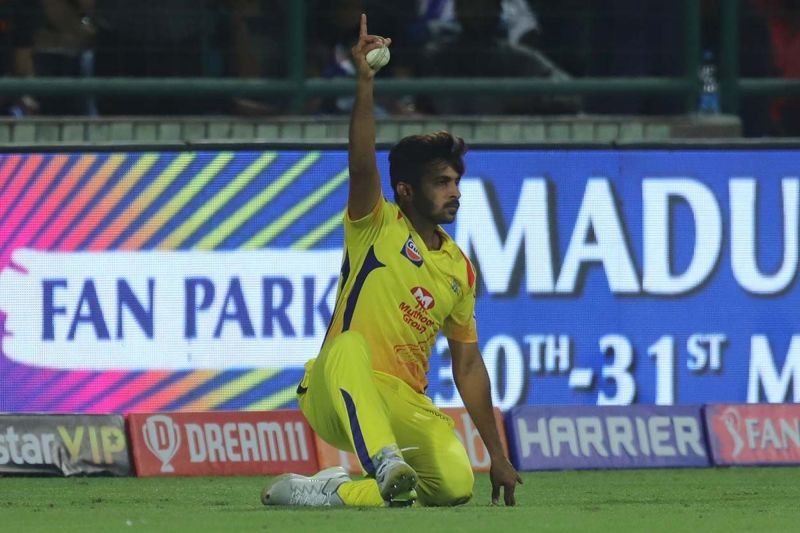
[172, 201]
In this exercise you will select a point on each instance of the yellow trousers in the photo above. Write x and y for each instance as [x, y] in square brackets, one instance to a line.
[359, 410]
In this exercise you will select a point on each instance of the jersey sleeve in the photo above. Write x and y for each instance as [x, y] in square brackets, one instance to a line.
[460, 325]
[364, 231]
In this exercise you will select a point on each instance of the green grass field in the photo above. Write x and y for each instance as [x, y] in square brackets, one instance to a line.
[726, 500]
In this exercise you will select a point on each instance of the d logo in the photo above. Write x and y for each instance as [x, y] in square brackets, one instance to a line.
[163, 438]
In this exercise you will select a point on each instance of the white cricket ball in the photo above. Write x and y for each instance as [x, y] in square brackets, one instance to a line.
[378, 57]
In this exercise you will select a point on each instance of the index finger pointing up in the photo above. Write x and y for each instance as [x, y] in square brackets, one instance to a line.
[362, 34]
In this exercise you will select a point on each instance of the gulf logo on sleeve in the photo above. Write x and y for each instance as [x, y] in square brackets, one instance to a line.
[411, 252]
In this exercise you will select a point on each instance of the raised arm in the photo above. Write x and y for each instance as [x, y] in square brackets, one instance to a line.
[365, 182]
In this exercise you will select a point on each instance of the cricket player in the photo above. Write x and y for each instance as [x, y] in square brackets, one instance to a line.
[403, 279]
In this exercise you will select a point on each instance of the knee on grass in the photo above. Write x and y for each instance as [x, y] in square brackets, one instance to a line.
[454, 488]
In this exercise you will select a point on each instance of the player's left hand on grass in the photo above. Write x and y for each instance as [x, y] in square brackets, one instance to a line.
[503, 475]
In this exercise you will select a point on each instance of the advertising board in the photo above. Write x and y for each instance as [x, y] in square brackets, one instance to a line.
[202, 280]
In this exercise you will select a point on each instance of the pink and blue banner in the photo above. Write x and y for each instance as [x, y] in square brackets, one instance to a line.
[148, 281]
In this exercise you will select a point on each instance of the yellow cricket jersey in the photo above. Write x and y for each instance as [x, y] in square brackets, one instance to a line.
[398, 294]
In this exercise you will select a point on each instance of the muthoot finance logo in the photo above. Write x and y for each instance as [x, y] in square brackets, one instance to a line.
[167, 309]
[423, 297]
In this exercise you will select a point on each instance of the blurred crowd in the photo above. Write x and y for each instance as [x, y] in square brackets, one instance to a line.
[432, 38]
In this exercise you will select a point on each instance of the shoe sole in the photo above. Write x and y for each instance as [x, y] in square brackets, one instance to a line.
[400, 488]
[404, 499]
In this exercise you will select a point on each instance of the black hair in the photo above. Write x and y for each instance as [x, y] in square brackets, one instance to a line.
[415, 155]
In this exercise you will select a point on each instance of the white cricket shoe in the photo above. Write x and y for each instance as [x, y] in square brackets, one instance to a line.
[396, 479]
[318, 490]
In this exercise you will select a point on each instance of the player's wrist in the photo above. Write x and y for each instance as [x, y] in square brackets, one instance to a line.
[366, 76]
[497, 456]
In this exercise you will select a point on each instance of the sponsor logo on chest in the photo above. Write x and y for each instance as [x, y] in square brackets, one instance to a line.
[423, 297]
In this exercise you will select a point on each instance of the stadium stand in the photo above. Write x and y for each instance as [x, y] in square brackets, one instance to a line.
[613, 72]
